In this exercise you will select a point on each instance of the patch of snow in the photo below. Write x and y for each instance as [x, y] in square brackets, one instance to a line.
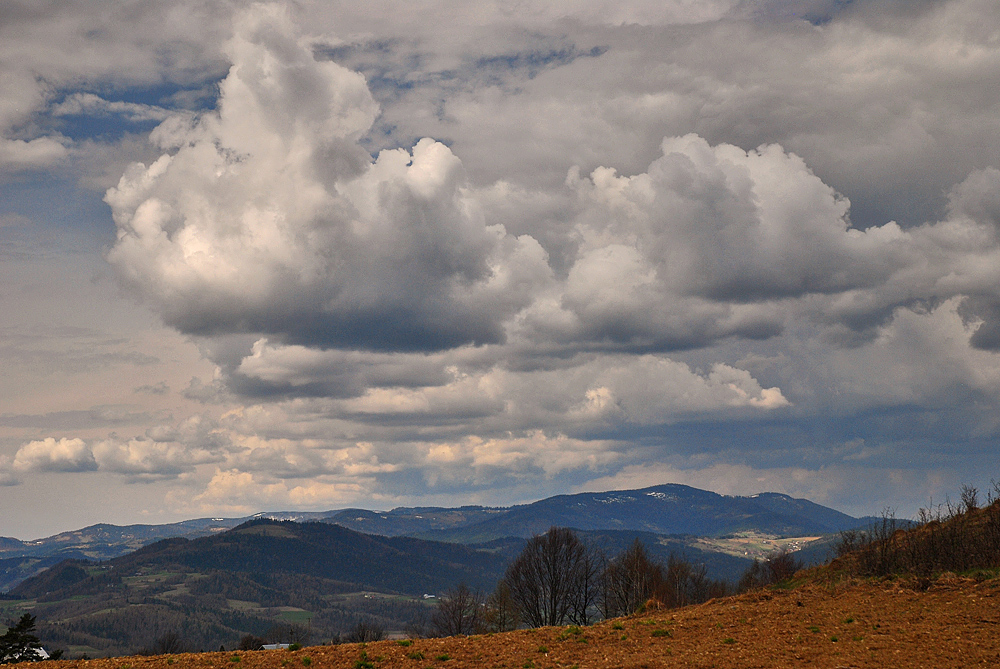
[615, 500]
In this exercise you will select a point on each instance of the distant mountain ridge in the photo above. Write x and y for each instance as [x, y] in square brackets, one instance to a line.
[669, 509]
[664, 509]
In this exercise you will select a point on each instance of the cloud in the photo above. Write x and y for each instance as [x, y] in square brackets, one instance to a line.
[236, 492]
[392, 301]
[49, 50]
[165, 452]
[708, 243]
[298, 370]
[269, 217]
[94, 105]
[590, 393]
[160, 388]
[51, 455]
[19, 154]
[146, 459]
[8, 477]
[521, 249]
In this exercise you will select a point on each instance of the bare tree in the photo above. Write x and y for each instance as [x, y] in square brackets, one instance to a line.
[629, 581]
[364, 631]
[459, 611]
[970, 498]
[287, 633]
[546, 580]
[778, 567]
[168, 643]
[585, 595]
[501, 610]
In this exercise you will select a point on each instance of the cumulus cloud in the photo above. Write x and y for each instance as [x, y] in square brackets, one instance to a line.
[146, 459]
[8, 477]
[52, 455]
[270, 218]
[391, 301]
[586, 393]
[534, 247]
[240, 492]
[164, 452]
[710, 242]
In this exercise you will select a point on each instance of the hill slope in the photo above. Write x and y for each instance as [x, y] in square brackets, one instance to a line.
[262, 574]
[953, 624]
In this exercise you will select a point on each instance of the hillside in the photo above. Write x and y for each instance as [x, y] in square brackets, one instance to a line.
[260, 575]
[247, 580]
[952, 624]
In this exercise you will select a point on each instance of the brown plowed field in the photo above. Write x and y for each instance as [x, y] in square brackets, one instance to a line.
[956, 623]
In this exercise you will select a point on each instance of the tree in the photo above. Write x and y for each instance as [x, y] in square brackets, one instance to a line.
[168, 643]
[584, 597]
[633, 578]
[629, 581]
[251, 642]
[287, 633]
[363, 632]
[18, 644]
[501, 610]
[459, 611]
[551, 581]
[777, 568]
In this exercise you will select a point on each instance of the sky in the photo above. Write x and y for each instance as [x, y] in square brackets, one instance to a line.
[314, 255]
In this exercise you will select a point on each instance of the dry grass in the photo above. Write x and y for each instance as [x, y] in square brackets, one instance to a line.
[952, 623]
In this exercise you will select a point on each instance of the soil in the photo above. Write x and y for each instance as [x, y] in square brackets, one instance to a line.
[954, 622]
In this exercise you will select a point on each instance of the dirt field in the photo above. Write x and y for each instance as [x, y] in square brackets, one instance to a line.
[956, 623]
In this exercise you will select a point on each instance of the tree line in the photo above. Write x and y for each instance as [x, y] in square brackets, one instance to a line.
[557, 580]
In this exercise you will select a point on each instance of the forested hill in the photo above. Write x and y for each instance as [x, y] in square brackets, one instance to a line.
[261, 578]
[263, 546]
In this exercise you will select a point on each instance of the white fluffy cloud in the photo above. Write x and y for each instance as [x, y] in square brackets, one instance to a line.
[239, 492]
[268, 216]
[52, 455]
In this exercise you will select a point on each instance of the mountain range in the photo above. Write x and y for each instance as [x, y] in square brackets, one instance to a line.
[669, 509]
[664, 509]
